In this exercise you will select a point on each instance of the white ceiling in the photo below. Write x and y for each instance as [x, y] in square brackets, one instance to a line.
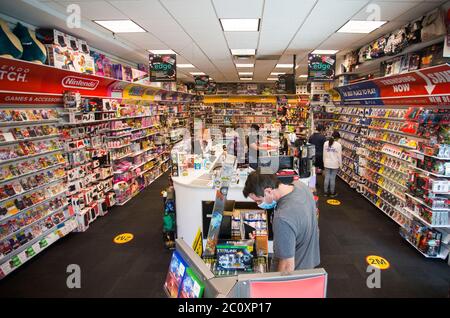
[192, 28]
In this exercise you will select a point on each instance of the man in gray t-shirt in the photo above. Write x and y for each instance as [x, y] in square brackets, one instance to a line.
[295, 229]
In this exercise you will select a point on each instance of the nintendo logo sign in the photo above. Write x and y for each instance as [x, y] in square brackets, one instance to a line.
[79, 82]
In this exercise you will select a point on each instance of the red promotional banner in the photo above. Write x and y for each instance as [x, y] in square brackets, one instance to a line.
[429, 81]
[21, 76]
[426, 87]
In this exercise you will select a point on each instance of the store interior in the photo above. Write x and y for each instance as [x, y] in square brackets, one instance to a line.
[127, 132]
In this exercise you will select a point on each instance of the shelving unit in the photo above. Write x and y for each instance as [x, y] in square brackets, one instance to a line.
[387, 154]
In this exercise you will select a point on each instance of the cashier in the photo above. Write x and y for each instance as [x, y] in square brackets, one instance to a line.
[295, 228]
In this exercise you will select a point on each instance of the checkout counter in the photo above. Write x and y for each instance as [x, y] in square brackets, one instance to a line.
[197, 178]
[195, 190]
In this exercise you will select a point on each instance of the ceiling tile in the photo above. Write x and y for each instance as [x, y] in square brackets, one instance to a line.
[280, 22]
[238, 9]
[242, 40]
[388, 10]
[315, 31]
[98, 10]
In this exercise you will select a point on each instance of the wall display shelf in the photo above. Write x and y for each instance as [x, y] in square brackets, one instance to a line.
[14, 259]
[398, 147]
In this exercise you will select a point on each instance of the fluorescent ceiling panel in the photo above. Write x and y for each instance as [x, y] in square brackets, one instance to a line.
[233, 25]
[245, 73]
[246, 78]
[356, 26]
[120, 26]
[197, 73]
[325, 51]
[303, 76]
[162, 51]
[185, 66]
[277, 73]
[243, 51]
[284, 65]
[272, 79]
[245, 65]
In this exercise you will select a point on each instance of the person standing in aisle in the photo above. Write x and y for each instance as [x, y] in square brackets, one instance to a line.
[295, 228]
[318, 139]
[332, 161]
[253, 146]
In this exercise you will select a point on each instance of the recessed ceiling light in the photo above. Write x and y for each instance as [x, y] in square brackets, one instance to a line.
[245, 65]
[185, 66]
[272, 79]
[162, 51]
[361, 26]
[197, 73]
[277, 73]
[240, 24]
[325, 51]
[303, 76]
[246, 78]
[120, 26]
[245, 73]
[284, 66]
[243, 51]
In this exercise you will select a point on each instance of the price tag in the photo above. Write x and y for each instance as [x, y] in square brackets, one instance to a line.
[23, 257]
[6, 268]
[36, 247]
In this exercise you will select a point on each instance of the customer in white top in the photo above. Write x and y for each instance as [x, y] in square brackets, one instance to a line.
[332, 161]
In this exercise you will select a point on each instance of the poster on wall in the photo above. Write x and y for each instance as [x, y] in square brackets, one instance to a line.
[163, 68]
[201, 82]
[321, 67]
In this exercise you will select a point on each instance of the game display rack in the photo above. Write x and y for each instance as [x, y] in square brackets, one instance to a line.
[398, 159]
[34, 211]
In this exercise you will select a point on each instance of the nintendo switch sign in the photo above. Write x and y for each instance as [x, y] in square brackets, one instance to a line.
[26, 77]
[79, 83]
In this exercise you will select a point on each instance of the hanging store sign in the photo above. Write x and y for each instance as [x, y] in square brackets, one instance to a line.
[163, 68]
[201, 82]
[429, 86]
[321, 67]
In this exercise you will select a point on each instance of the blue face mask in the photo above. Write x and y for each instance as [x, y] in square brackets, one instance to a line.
[267, 206]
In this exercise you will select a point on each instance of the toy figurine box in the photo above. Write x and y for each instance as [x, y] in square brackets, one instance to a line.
[191, 286]
[175, 275]
[234, 257]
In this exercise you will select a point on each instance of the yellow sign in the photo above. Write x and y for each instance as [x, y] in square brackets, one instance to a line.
[123, 238]
[197, 246]
[377, 261]
[333, 202]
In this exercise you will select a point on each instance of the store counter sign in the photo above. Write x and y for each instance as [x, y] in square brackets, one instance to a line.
[333, 202]
[197, 246]
[377, 261]
[163, 68]
[123, 238]
[321, 68]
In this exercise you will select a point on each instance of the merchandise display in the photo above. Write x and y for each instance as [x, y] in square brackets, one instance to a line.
[207, 148]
